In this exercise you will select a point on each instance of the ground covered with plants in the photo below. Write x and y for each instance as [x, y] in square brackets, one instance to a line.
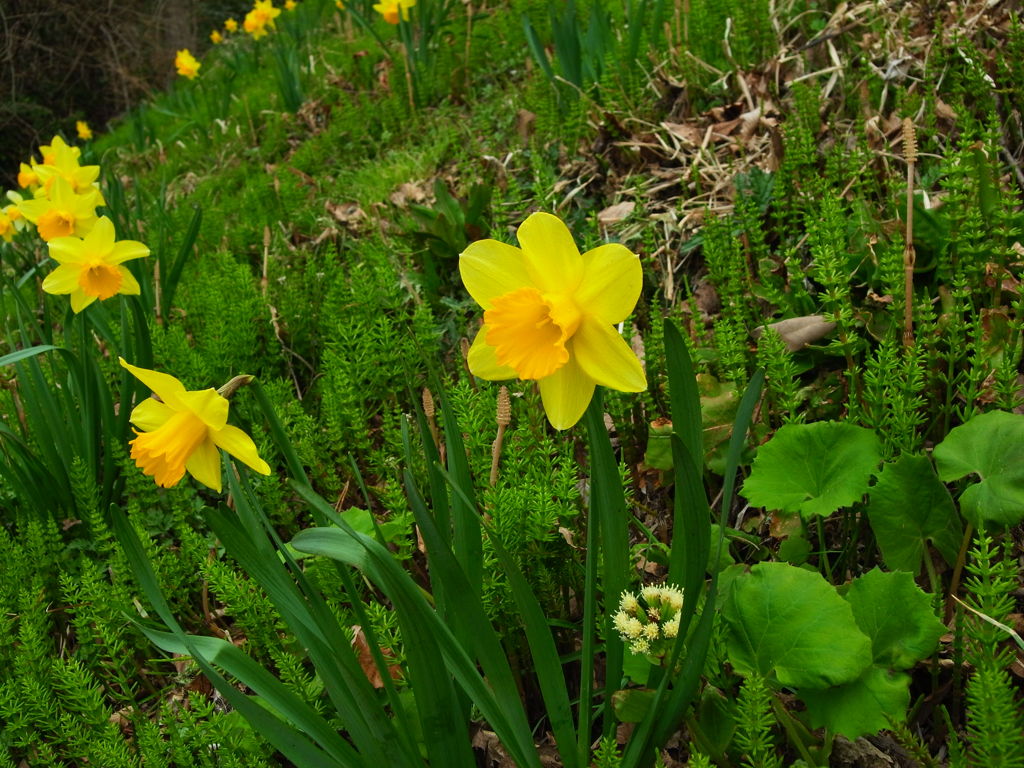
[523, 383]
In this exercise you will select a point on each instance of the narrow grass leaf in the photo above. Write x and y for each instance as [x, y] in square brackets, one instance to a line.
[22, 354]
[547, 663]
[537, 49]
[286, 740]
[172, 276]
[469, 616]
[468, 546]
[291, 458]
[314, 624]
[426, 631]
[608, 511]
[691, 528]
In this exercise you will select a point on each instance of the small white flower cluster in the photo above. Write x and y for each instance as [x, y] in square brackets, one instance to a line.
[646, 621]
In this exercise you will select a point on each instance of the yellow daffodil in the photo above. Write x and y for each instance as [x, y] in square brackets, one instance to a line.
[260, 18]
[27, 176]
[6, 227]
[231, 25]
[290, 5]
[83, 130]
[390, 9]
[14, 216]
[216, 37]
[186, 64]
[92, 267]
[549, 314]
[58, 148]
[63, 213]
[12, 211]
[182, 430]
[63, 160]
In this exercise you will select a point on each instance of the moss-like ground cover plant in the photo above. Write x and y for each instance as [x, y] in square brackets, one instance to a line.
[521, 383]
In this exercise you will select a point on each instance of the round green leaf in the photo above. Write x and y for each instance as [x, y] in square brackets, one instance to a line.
[896, 615]
[813, 469]
[991, 446]
[909, 505]
[861, 707]
[632, 705]
[791, 624]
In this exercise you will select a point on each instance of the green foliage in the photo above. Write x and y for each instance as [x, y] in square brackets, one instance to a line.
[813, 469]
[988, 446]
[894, 396]
[750, 39]
[277, 251]
[76, 706]
[910, 507]
[444, 231]
[994, 724]
[789, 625]
[607, 754]
[780, 376]
[844, 657]
[898, 618]
[376, 342]
[754, 724]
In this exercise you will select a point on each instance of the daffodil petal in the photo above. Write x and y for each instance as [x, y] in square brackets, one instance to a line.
[490, 268]
[606, 358]
[612, 279]
[204, 465]
[208, 405]
[62, 195]
[80, 300]
[552, 259]
[240, 445]
[483, 361]
[33, 209]
[129, 285]
[165, 386]
[566, 394]
[127, 249]
[86, 175]
[66, 250]
[100, 240]
[64, 279]
[151, 414]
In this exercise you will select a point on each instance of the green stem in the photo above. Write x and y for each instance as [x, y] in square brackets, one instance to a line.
[961, 558]
[587, 654]
[933, 577]
[792, 731]
[823, 548]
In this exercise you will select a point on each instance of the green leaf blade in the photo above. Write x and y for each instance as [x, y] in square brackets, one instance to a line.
[791, 625]
[896, 615]
[991, 445]
[908, 507]
[860, 707]
[813, 469]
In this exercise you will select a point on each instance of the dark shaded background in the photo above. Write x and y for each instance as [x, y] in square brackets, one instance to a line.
[67, 60]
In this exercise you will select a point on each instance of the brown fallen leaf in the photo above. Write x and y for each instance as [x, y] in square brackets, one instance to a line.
[688, 132]
[613, 214]
[524, 124]
[349, 214]
[408, 193]
[366, 659]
